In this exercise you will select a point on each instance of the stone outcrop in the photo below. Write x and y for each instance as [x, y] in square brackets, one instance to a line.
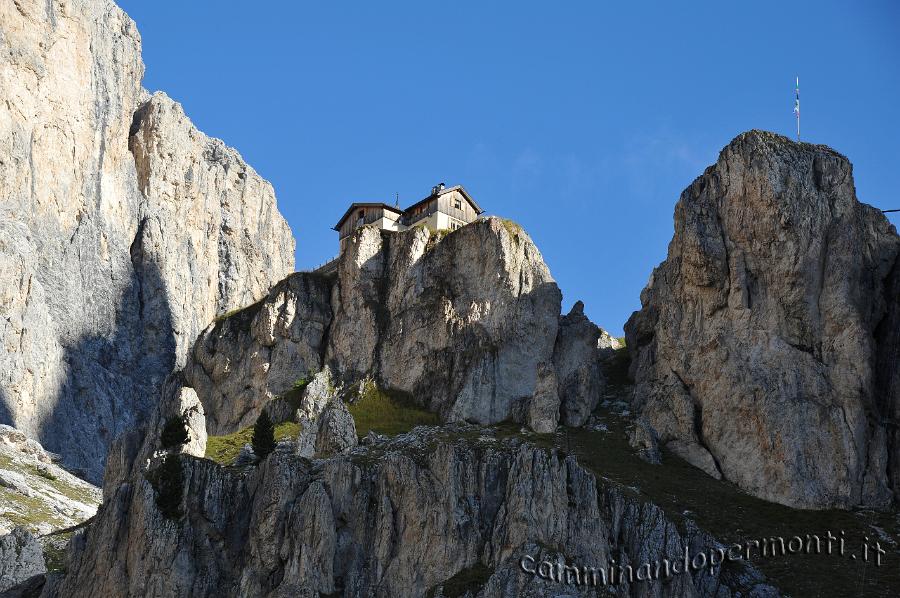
[22, 564]
[336, 430]
[767, 342]
[109, 270]
[243, 361]
[395, 518]
[577, 364]
[464, 324]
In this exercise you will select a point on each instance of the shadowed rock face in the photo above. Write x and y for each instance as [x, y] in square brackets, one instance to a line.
[766, 345]
[577, 360]
[243, 361]
[111, 261]
[465, 325]
[208, 221]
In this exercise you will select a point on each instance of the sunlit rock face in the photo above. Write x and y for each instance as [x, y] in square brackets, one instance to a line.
[766, 348]
[109, 271]
[465, 324]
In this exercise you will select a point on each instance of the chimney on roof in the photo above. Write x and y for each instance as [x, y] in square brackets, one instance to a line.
[437, 188]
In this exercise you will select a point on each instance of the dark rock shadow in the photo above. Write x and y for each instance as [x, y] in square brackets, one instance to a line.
[113, 380]
[5, 412]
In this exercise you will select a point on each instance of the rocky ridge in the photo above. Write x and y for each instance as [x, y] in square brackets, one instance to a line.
[374, 521]
[766, 347]
[35, 492]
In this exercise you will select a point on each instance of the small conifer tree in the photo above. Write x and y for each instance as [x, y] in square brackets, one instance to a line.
[174, 433]
[263, 436]
[169, 487]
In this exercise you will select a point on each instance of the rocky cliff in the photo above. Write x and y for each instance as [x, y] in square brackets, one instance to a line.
[111, 260]
[465, 322]
[766, 347]
[244, 360]
[399, 517]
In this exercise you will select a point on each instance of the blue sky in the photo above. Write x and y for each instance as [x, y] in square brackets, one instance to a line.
[583, 121]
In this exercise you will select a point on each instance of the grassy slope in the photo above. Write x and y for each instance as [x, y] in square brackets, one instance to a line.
[733, 516]
[386, 413]
[225, 449]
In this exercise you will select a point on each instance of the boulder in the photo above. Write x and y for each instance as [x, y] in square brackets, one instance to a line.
[765, 350]
[337, 430]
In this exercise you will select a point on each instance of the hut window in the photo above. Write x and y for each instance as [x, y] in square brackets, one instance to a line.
[457, 204]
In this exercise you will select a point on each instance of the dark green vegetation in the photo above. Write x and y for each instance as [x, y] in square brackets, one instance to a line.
[387, 412]
[732, 516]
[471, 579]
[263, 439]
[294, 396]
[169, 487]
[174, 433]
[615, 369]
[225, 449]
[54, 548]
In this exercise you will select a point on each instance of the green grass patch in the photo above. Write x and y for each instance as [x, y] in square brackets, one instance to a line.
[26, 511]
[388, 413]
[54, 548]
[82, 495]
[225, 449]
[512, 227]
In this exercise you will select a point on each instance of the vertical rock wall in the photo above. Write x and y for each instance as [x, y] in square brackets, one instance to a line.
[766, 345]
[107, 272]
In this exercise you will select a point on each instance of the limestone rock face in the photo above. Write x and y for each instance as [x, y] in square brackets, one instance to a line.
[463, 324]
[109, 271]
[21, 562]
[767, 342]
[542, 409]
[396, 518]
[70, 79]
[210, 223]
[577, 363]
[337, 430]
[241, 362]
